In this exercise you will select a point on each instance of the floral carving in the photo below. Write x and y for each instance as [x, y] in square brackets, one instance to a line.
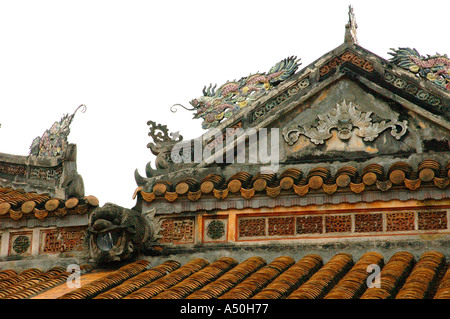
[344, 118]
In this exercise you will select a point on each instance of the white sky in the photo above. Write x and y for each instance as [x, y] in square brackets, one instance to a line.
[129, 61]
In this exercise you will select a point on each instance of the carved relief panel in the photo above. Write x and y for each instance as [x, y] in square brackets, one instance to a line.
[177, 230]
[215, 229]
[62, 240]
[20, 243]
[344, 118]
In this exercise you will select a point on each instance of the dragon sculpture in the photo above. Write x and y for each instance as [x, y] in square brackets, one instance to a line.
[54, 140]
[118, 234]
[228, 99]
[435, 68]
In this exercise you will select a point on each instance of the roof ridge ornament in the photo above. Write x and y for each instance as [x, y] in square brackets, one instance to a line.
[434, 68]
[350, 27]
[54, 140]
[218, 104]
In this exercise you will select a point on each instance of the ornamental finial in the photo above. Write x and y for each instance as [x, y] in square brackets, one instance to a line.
[350, 27]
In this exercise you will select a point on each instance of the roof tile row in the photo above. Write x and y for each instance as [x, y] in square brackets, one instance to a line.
[17, 204]
[225, 278]
[373, 176]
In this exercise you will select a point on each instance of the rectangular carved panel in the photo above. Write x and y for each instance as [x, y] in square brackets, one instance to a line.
[63, 239]
[252, 227]
[177, 231]
[368, 223]
[13, 169]
[400, 221]
[309, 225]
[46, 173]
[432, 220]
[281, 226]
[338, 224]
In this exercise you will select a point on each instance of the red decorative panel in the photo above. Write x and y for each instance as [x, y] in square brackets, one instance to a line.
[178, 231]
[347, 56]
[281, 226]
[63, 239]
[368, 223]
[309, 225]
[338, 223]
[432, 220]
[400, 221]
[252, 227]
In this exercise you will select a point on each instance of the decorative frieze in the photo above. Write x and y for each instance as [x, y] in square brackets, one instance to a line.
[432, 220]
[400, 221]
[349, 57]
[252, 227]
[309, 225]
[338, 223]
[365, 223]
[33, 172]
[292, 226]
[46, 173]
[413, 90]
[13, 169]
[177, 231]
[281, 226]
[262, 110]
[63, 239]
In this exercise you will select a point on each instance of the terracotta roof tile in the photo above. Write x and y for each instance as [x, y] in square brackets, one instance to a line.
[443, 291]
[31, 281]
[429, 173]
[18, 204]
[308, 278]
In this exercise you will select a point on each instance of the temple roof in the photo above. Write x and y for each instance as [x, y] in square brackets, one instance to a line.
[390, 97]
[311, 277]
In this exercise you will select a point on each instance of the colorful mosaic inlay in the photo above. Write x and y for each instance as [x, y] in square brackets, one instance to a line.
[231, 97]
[434, 68]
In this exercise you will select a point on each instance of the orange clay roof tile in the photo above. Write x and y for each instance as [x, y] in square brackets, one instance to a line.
[17, 204]
[429, 173]
[309, 278]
